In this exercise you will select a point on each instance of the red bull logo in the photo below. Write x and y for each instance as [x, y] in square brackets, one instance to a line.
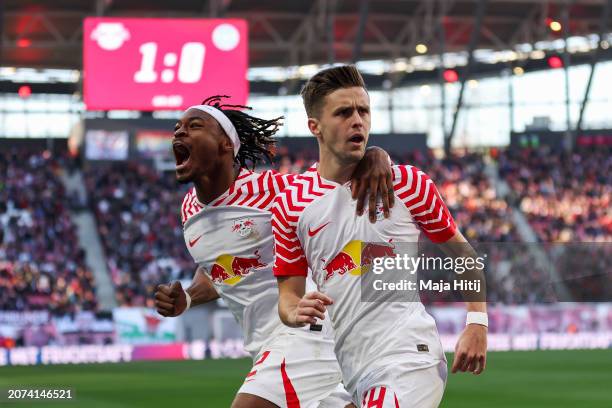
[230, 269]
[356, 260]
[371, 251]
[340, 265]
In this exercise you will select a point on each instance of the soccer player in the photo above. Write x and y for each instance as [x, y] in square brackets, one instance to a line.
[226, 221]
[389, 352]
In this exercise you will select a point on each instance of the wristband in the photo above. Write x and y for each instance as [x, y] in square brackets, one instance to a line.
[188, 299]
[477, 318]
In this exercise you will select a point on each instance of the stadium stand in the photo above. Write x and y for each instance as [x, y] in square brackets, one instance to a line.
[42, 266]
[567, 197]
[136, 209]
[137, 212]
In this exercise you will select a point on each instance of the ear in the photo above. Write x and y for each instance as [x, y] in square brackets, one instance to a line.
[226, 145]
[314, 126]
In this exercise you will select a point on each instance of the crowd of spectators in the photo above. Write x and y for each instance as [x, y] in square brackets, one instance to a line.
[482, 215]
[42, 266]
[567, 197]
[137, 210]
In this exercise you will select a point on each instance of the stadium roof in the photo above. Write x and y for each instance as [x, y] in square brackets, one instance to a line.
[48, 33]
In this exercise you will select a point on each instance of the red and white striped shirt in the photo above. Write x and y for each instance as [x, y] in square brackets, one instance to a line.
[250, 189]
[314, 225]
[231, 239]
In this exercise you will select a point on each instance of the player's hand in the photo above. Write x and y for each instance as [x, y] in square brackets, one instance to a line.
[170, 300]
[374, 175]
[311, 307]
[471, 350]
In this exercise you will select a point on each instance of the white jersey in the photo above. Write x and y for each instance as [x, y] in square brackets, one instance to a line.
[315, 226]
[231, 239]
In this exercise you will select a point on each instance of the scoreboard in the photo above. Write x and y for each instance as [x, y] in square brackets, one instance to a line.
[163, 64]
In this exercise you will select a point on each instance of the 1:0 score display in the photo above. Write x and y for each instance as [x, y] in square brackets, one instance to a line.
[151, 64]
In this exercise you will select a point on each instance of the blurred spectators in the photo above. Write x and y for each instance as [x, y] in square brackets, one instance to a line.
[42, 266]
[292, 162]
[567, 197]
[478, 211]
[138, 215]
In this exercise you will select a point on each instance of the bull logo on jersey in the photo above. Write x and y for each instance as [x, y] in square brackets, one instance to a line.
[231, 269]
[244, 227]
[356, 258]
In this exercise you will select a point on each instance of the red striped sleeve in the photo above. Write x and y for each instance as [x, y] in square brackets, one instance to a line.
[289, 259]
[421, 197]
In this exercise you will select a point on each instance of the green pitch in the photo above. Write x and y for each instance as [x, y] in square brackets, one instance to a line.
[513, 379]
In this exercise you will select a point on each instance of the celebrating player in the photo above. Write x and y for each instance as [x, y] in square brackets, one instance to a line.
[226, 221]
[389, 352]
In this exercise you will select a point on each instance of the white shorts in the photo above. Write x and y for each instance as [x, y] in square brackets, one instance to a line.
[398, 387]
[298, 371]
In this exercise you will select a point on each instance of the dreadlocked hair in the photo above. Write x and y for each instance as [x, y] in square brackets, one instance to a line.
[256, 135]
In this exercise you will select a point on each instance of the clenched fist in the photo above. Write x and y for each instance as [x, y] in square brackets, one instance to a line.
[311, 307]
[170, 300]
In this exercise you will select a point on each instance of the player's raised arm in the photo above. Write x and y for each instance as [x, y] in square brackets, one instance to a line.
[373, 175]
[171, 300]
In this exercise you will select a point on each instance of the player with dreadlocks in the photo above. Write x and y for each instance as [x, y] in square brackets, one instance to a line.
[226, 222]
[256, 135]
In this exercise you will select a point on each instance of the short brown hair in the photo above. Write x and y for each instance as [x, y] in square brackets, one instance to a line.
[326, 82]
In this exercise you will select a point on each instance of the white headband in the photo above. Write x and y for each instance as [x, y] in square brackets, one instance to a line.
[224, 121]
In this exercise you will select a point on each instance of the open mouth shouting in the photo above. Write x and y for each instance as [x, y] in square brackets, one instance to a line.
[182, 154]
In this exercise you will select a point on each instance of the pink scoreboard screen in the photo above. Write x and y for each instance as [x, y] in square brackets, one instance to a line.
[163, 64]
